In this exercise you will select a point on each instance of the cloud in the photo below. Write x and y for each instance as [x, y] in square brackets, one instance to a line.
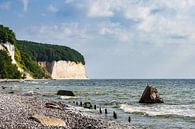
[58, 33]
[52, 8]
[115, 30]
[158, 22]
[5, 5]
[96, 6]
[25, 5]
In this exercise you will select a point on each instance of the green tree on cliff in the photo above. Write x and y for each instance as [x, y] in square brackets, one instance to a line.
[7, 69]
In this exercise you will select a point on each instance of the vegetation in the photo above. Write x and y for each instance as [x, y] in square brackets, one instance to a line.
[27, 55]
[7, 69]
[7, 35]
[47, 52]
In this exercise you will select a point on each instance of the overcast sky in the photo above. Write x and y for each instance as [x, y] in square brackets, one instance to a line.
[118, 38]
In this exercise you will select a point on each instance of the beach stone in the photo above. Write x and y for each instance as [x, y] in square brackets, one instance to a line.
[150, 95]
[87, 105]
[65, 93]
[47, 120]
[3, 87]
[53, 106]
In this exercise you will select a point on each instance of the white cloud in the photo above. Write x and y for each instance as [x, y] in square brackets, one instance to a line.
[115, 30]
[99, 8]
[25, 5]
[5, 5]
[64, 32]
[158, 21]
[52, 8]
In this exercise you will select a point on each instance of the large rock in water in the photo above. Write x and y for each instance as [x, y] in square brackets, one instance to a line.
[150, 95]
[65, 93]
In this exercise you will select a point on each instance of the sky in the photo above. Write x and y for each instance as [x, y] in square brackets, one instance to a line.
[128, 39]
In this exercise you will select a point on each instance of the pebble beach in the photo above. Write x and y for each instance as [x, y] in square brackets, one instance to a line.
[16, 112]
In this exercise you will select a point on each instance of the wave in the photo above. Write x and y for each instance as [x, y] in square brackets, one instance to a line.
[68, 97]
[161, 110]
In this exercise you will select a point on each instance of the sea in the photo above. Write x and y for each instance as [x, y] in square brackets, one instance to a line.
[122, 97]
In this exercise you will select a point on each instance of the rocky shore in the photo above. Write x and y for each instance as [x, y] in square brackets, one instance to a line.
[16, 112]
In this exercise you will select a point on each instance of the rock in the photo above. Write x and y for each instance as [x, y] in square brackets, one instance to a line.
[11, 92]
[3, 87]
[87, 105]
[65, 93]
[53, 106]
[47, 120]
[150, 95]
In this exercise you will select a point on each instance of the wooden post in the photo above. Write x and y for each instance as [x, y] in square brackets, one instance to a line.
[129, 120]
[95, 107]
[100, 110]
[114, 115]
[81, 104]
[106, 112]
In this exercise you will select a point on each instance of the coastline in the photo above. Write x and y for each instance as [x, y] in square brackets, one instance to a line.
[15, 111]
[21, 80]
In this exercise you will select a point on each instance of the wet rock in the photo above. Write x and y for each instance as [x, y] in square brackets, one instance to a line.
[47, 120]
[53, 105]
[11, 92]
[150, 95]
[87, 105]
[65, 93]
[3, 87]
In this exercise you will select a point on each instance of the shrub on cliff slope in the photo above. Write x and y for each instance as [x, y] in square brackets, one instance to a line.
[7, 69]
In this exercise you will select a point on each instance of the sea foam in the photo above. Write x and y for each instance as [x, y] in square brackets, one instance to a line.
[160, 110]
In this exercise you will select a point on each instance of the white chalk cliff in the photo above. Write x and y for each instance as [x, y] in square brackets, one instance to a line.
[64, 69]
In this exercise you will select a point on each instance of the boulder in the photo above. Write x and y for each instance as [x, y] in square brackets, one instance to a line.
[65, 93]
[87, 105]
[150, 95]
[47, 120]
[53, 105]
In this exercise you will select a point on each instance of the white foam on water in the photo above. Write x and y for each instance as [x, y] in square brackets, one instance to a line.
[160, 110]
[68, 97]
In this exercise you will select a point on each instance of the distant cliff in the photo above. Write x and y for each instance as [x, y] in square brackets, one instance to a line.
[35, 60]
[64, 69]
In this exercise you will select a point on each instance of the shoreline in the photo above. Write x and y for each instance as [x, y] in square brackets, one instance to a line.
[15, 111]
[21, 80]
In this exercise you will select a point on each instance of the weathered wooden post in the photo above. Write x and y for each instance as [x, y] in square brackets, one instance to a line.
[114, 115]
[100, 110]
[106, 112]
[129, 119]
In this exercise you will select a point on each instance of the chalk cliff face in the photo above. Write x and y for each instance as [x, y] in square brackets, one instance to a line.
[10, 49]
[64, 69]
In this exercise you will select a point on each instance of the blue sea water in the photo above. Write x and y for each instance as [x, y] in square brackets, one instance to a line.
[122, 96]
